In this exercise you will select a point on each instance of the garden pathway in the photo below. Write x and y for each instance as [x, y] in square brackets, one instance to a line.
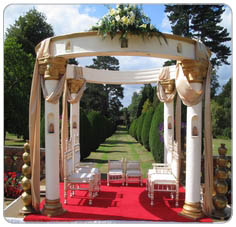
[120, 145]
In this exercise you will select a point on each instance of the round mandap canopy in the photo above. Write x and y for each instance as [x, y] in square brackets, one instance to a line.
[193, 65]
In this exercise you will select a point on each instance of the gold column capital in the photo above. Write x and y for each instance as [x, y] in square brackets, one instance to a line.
[75, 85]
[52, 68]
[168, 85]
[195, 71]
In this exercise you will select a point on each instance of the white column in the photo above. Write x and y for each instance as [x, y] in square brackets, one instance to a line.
[192, 207]
[52, 145]
[74, 126]
[168, 127]
[74, 119]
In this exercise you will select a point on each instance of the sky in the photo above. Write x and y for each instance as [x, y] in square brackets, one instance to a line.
[73, 18]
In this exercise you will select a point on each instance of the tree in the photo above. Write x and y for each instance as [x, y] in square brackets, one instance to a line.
[202, 22]
[30, 29]
[146, 93]
[17, 82]
[21, 39]
[133, 107]
[107, 96]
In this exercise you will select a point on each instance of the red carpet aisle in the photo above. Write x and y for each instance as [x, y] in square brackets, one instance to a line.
[119, 203]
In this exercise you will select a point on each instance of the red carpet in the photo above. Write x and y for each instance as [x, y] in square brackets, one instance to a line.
[119, 203]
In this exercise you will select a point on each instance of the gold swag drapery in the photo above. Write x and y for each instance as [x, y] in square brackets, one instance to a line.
[64, 127]
[34, 118]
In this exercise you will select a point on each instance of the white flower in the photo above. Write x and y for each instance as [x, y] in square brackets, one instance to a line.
[99, 23]
[112, 12]
[151, 27]
[143, 26]
[117, 18]
[132, 17]
[125, 20]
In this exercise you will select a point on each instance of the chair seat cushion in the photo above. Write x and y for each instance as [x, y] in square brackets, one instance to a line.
[87, 170]
[133, 173]
[81, 177]
[115, 172]
[163, 179]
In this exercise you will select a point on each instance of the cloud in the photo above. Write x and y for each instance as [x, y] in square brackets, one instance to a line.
[67, 19]
[165, 24]
[128, 93]
[12, 12]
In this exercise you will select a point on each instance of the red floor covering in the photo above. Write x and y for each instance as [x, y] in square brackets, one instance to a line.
[118, 202]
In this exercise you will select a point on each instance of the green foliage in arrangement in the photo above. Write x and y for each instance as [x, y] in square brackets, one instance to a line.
[155, 141]
[126, 19]
[146, 128]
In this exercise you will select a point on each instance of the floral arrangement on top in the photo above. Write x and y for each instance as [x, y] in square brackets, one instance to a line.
[126, 19]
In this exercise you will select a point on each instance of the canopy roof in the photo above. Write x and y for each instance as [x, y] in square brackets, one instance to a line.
[85, 44]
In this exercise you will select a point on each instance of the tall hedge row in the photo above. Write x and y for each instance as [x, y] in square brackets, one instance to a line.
[146, 128]
[94, 129]
[155, 141]
[140, 127]
[85, 133]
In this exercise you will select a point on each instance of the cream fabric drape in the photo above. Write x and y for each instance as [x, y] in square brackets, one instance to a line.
[34, 119]
[64, 127]
[164, 75]
[34, 125]
[178, 113]
[56, 94]
[188, 95]
[208, 161]
[166, 98]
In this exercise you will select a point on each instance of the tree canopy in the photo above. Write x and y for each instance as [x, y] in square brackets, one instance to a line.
[104, 98]
[19, 58]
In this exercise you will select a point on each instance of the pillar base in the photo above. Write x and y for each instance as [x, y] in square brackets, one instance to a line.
[192, 211]
[52, 208]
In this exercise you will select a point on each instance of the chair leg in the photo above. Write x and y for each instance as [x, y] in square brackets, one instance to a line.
[152, 194]
[107, 179]
[141, 181]
[65, 193]
[91, 187]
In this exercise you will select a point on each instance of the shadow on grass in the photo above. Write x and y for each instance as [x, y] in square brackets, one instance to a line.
[108, 152]
[119, 142]
[95, 160]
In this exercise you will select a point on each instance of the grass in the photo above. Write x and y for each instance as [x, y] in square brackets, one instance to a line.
[121, 145]
[12, 140]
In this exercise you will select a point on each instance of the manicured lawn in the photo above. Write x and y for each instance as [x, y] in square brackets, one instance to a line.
[12, 140]
[121, 145]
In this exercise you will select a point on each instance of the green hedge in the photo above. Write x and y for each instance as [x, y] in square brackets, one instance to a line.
[155, 142]
[140, 127]
[85, 135]
[146, 128]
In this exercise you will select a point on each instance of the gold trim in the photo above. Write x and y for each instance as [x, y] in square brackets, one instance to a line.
[75, 85]
[52, 208]
[195, 71]
[168, 85]
[52, 68]
[192, 210]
